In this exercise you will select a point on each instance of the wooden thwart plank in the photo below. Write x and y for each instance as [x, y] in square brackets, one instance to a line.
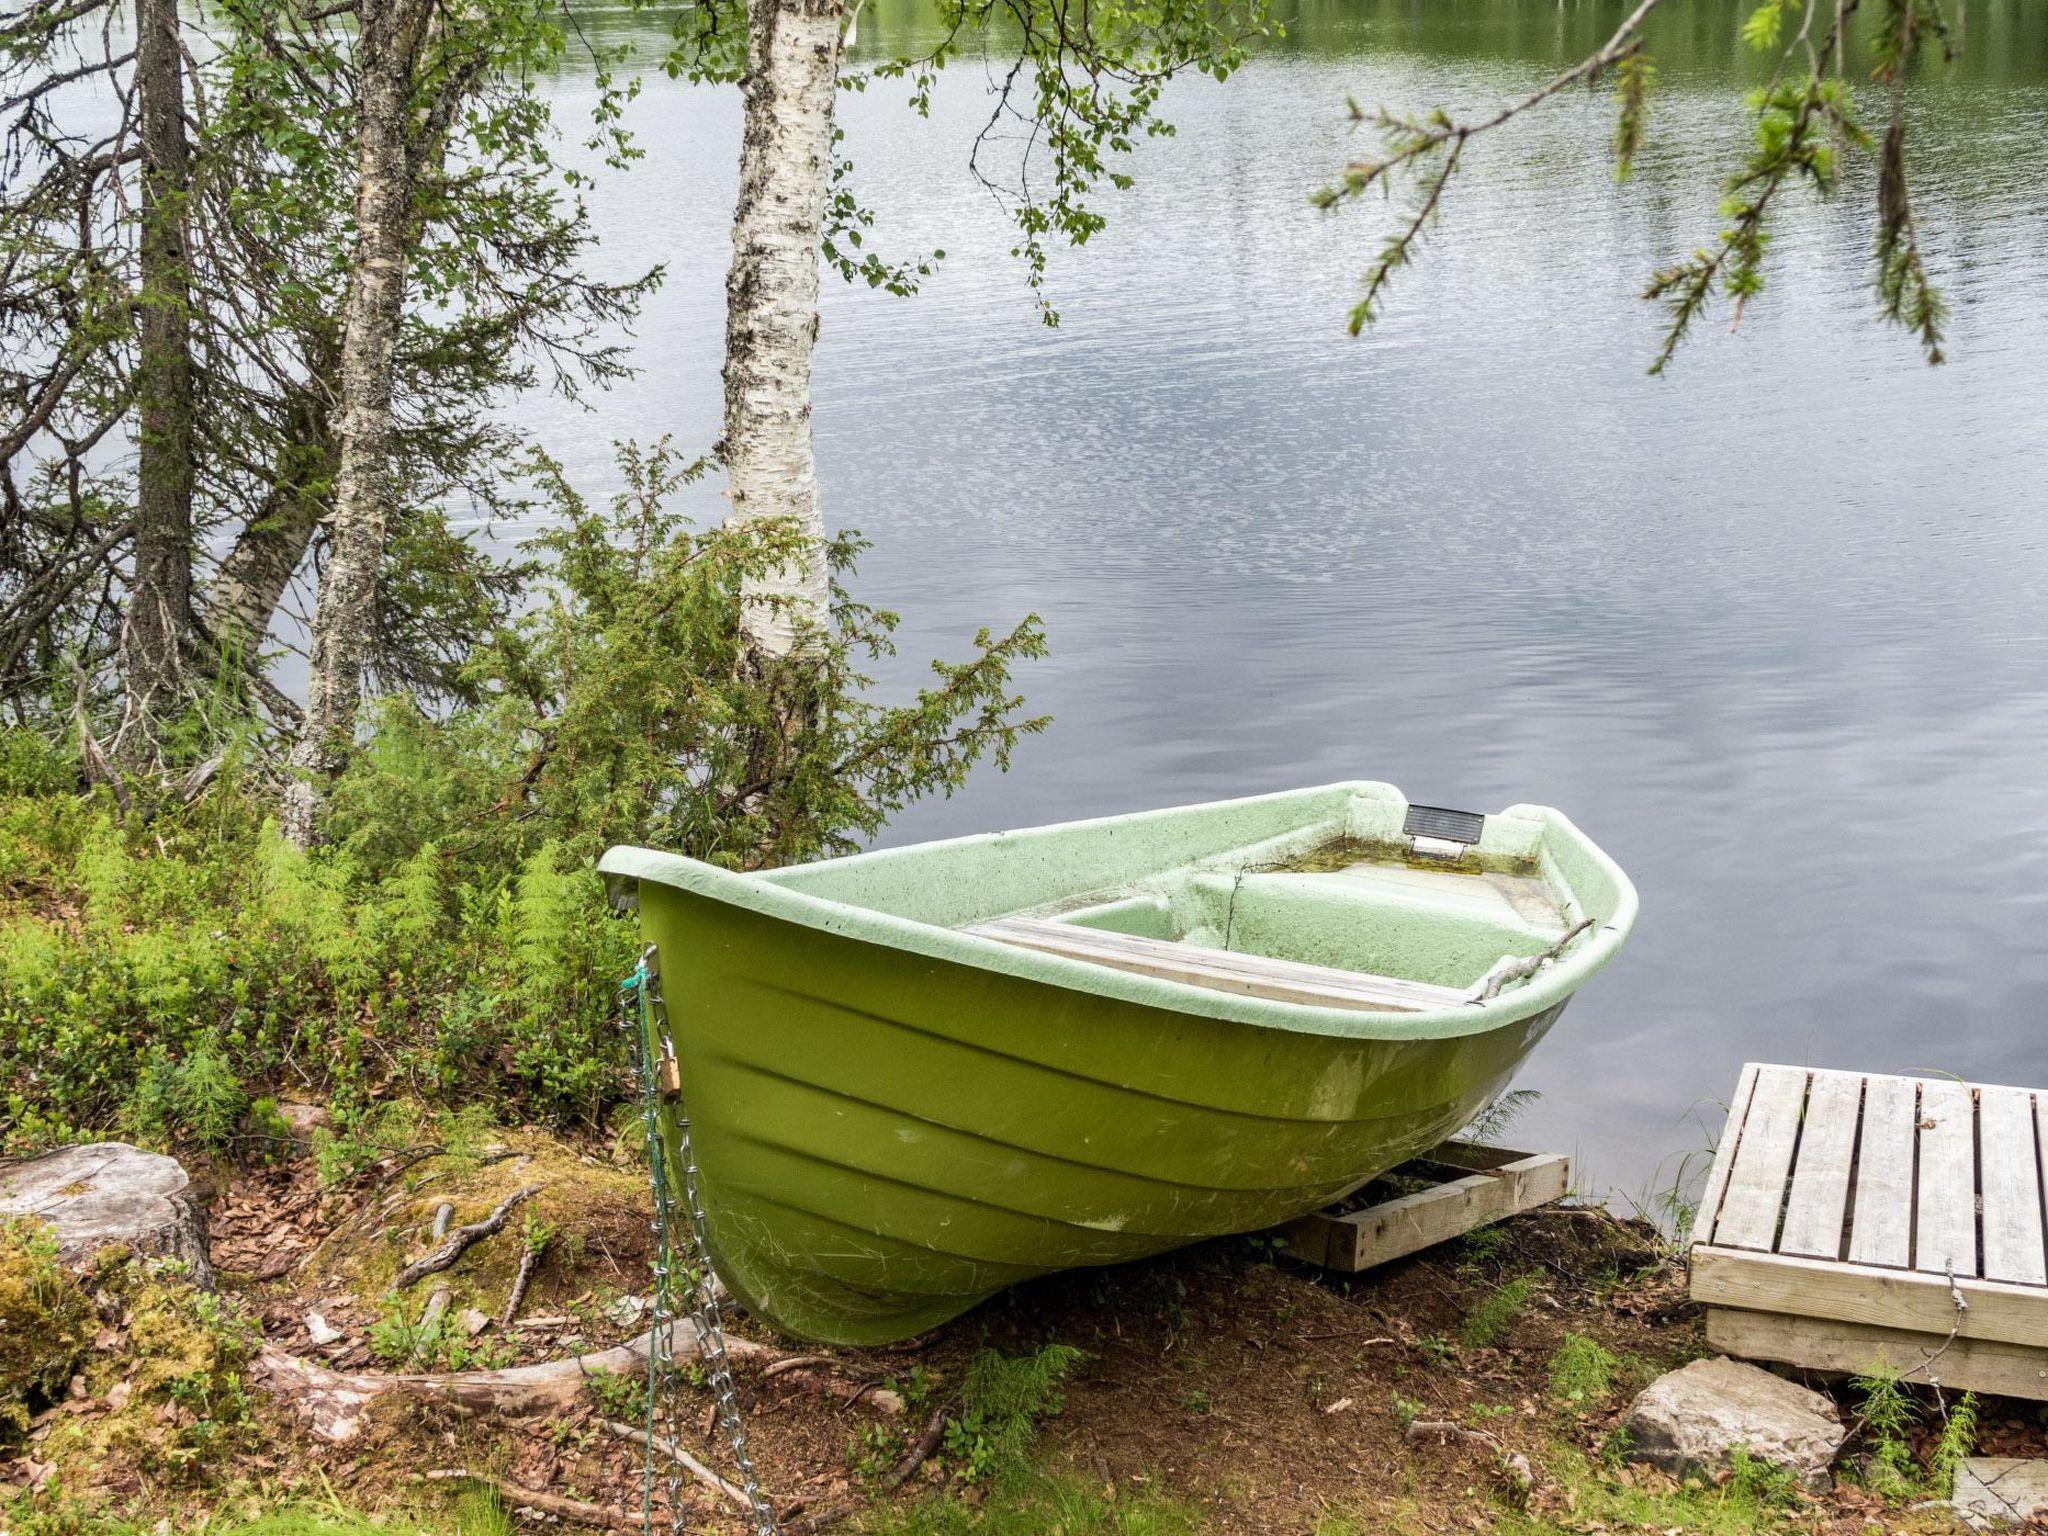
[1945, 1224]
[1288, 981]
[1756, 1181]
[2011, 1180]
[1823, 1344]
[1820, 1178]
[1362, 1239]
[1881, 1228]
[1882, 1298]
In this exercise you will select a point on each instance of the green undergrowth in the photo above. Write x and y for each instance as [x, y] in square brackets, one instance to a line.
[158, 1362]
[1045, 1504]
[166, 958]
[1755, 1497]
[473, 1514]
[46, 1325]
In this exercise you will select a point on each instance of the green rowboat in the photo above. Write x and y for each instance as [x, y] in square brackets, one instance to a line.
[919, 1075]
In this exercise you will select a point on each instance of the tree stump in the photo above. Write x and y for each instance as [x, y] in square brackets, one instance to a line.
[110, 1193]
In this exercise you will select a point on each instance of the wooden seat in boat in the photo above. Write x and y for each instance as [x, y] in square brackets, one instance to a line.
[1287, 981]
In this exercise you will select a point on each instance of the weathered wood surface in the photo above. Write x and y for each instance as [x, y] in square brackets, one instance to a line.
[333, 1405]
[1844, 1214]
[108, 1194]
[1287, 981]
[1855, 1349]
[1500, 1184]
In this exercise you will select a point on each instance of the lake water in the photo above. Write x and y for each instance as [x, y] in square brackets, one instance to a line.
[1774, 628]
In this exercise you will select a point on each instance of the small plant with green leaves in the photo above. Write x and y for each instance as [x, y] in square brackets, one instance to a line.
[619, 1395]
[1766, 1482]
[1406, 1410]
[1888, 1417]
[1582, 1373]
[1003, 1399]
[1487, 1322]
[1957, 1442]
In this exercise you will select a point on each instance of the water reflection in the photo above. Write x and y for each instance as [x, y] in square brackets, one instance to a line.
[1771, 628]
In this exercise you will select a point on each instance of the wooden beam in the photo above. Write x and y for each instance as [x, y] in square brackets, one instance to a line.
[1287, 981]
[1821, 1344]
[1359, 1240]
[1858, 1293]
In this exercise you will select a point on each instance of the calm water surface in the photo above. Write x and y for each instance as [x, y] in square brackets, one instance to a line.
[1774, 629]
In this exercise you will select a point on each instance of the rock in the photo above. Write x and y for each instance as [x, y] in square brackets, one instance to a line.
[1691, 1419]
[305, 1119]
[474, 1322]
[2000, 1490]
[110, 1193]
[319, 1330]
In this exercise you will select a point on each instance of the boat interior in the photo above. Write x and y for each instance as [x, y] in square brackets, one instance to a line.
[1382, 906]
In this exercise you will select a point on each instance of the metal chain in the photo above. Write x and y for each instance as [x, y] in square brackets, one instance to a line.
[644, 1017]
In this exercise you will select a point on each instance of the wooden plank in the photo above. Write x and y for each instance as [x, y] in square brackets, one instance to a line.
[1819, 1344]
[1756, 1183]
[1820, 1179]
[1857, 1293]
[1709, 1210]
[1881, 1228]
[1288, 981]
[2010, 1172]
[1359, 1240]
[1945, 1220]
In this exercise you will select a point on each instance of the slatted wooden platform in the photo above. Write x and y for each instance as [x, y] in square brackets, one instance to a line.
[1469, 1186]
[1854, 1221]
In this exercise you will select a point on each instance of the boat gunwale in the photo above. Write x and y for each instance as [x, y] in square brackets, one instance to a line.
[757, 893]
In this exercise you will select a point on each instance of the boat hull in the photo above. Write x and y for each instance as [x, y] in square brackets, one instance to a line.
[885, 1140]
[893, 1120]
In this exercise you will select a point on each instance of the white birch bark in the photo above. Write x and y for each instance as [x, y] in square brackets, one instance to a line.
[793, 53]
[344, 619]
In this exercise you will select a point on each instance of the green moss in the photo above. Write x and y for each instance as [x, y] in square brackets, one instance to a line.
[176, 1406]
[46, 1324]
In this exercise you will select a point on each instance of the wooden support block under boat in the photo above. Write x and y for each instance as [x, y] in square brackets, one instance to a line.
[1287, 981]
[1478, 1185]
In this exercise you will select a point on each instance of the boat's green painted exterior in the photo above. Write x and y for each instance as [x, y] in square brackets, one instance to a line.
[894, 1119]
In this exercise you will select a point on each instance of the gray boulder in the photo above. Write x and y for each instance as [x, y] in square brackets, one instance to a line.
[1691, 1419]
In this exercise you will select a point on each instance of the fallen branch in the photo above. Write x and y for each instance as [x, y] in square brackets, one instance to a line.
[459, 1241]
[541, 1502]
[928, 1442]
[528, 1261]
[662, 1445]
[332, 1404]
[1444, 1429]
[798, 1363]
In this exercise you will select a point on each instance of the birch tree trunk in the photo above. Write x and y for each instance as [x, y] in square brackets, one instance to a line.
[344, 619]
[771, 325]
[159, 617]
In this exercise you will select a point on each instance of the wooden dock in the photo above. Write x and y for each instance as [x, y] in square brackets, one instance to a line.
[1466, 1186]
[1856, 1222]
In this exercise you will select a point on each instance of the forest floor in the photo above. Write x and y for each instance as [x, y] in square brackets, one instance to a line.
[1218, 1389]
